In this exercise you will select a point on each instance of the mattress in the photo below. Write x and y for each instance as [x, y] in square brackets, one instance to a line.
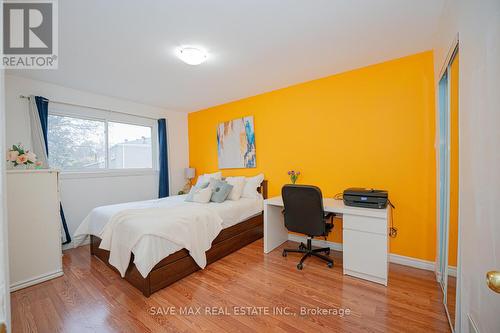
[151, 249]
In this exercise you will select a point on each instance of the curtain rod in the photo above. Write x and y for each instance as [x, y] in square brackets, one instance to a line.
[93, 107]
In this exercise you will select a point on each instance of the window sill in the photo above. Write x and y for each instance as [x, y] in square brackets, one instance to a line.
[107, 173]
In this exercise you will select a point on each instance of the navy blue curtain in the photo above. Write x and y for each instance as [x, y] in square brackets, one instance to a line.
[163, 156]
[42, 105]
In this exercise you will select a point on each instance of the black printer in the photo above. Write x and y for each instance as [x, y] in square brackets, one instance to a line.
[365, 197]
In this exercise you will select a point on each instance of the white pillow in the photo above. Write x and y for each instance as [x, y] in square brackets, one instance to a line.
[238, 185]
[251, 184]
[205, 178]
[200, 195]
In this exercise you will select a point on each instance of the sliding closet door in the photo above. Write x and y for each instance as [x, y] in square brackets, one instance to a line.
[443, 166]
[451, 274]
[448, 184]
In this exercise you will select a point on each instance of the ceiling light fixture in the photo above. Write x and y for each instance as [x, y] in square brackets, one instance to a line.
[192, 55]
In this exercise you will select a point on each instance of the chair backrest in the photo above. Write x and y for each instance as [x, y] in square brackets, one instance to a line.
[304, 211]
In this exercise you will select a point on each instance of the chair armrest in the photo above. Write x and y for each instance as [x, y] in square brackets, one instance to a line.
[329, 219]
[329, 216]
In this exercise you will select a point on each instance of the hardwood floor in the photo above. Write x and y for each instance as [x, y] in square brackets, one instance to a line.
[92, 298]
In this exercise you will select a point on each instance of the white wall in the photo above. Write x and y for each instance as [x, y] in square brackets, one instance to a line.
[478, 25]
[79, 193]
[4, 265]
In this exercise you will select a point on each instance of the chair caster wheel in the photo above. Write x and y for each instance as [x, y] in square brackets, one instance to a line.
[302, 247]
[284, 253]
[300, 266]
[327, 252]
[330, 264]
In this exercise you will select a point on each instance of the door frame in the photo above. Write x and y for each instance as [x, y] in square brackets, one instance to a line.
[4, 258]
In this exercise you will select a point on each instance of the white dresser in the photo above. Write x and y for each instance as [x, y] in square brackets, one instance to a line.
[34, 227]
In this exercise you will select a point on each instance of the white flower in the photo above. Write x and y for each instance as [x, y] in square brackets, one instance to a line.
[31, 156]
[12, 155]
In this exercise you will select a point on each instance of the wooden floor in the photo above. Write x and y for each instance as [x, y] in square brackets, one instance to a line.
[92, 298]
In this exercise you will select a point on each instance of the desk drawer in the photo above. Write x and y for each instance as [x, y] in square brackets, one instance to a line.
[365, 255]
[365, 223]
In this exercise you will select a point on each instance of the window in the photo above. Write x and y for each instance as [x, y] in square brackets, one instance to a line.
[129, 146]
[84, 144]
[76, 144]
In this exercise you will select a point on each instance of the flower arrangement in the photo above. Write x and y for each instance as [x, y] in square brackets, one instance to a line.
[294, 175]
[20, 156]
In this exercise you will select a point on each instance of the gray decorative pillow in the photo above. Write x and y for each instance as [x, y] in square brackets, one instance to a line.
[220, 190]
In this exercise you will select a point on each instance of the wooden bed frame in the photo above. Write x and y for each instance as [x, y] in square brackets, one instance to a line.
[180, 264]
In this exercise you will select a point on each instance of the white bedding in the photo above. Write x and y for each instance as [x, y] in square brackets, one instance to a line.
[151, 249]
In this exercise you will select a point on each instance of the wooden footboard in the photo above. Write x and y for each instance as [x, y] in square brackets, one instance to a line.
[180, 264]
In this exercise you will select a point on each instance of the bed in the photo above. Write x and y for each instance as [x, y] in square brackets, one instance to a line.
[162, 263]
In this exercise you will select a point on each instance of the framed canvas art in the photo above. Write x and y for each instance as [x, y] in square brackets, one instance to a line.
[236, 143]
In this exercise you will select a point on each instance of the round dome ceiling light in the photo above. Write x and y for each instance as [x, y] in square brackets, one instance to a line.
[192, 55]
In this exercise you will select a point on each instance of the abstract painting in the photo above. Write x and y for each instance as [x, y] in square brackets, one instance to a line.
[236, 143]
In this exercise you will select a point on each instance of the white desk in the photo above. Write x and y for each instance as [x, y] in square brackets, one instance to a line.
[365, 241]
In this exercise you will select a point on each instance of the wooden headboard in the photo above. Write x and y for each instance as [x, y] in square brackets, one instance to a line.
[262, 189]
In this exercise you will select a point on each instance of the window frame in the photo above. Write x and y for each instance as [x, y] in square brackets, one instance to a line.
[86, 113]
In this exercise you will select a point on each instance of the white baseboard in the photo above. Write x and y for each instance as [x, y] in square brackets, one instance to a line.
[72, 244]
[393, 258]
[412, 262]
[452, 271]
[35, 280]
[438, 275]
[68, 246]
[316, 242]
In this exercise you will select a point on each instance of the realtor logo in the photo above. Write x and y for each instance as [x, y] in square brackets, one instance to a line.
[30, 34]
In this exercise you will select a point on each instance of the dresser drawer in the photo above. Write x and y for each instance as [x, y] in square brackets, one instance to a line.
[365, 223]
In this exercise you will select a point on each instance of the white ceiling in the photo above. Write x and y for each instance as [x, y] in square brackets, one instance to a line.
[125, 49]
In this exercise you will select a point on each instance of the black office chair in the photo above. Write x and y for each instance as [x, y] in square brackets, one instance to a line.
[304, 213]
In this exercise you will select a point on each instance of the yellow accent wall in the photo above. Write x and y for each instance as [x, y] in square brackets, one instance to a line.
[453, 232]
[369, 127]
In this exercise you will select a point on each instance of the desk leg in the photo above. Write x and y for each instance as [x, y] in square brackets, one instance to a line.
[275, 232]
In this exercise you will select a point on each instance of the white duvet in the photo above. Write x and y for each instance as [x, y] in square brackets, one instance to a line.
[154, 229]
